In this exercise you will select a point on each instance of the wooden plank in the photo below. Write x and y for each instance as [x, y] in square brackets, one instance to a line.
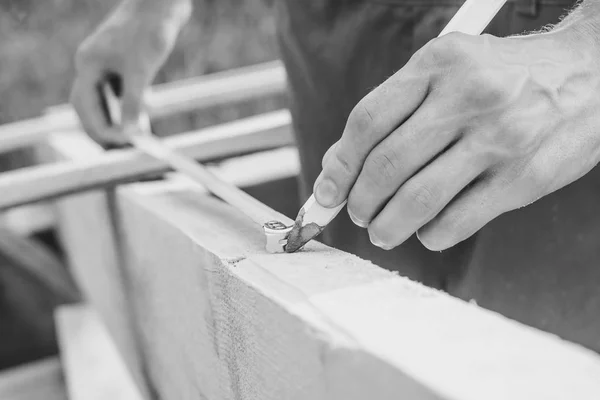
[217, 88]
[217, 318]
[95, 258]
[198, 310]
[75, 215]
[210, 315]
[94, 370]
[162, 100]
[34, 381]
[38, 183]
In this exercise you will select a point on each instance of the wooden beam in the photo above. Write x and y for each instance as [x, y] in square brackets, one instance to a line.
[216, 317]
[34, 381]
[199, 310]
[94, 369]
[38, 183]
[218, 88]
[162, 100]
[103, 280]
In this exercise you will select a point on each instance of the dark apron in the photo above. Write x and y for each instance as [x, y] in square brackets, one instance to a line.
[540, 264]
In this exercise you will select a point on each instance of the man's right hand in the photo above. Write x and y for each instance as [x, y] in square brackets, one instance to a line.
[128, 48]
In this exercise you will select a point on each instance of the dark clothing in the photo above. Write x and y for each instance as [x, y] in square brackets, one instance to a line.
[540, 264]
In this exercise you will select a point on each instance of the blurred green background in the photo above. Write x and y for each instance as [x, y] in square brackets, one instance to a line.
[38, 40]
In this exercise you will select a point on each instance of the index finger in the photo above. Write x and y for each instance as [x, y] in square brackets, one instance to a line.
[372, 119]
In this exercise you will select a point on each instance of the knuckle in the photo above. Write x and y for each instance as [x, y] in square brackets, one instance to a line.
[449, 48]
[503, 142]
[518, 142]
[362, 120]
[382, 166]
[486, 89]
[491, 89]
[328, 153]
[423, 199]
[343, 162]
[452, 44]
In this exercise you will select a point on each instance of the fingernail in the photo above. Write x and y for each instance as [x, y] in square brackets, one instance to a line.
[357, 221]
[376, 242]
[326, 193]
